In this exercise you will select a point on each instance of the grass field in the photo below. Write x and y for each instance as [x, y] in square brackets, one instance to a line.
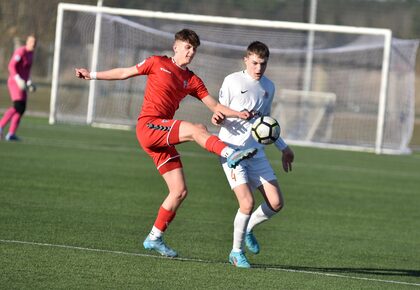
[76, 201]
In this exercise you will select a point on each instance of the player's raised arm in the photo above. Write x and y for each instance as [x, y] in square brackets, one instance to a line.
[215, 106]
[121, 73]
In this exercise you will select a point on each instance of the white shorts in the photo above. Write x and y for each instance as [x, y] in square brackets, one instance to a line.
[255, 171]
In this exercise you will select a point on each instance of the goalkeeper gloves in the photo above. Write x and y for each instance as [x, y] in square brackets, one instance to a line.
[30, 86]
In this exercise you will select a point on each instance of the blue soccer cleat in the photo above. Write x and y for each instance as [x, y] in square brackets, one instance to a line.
[238, 259]
[12, 137]
[239, 155]
[252, 243]
[159, 246]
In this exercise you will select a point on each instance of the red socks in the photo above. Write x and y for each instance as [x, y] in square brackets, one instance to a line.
[215, 145]
[164, 218]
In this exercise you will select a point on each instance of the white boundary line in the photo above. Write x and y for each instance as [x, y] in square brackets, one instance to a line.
[202, 261]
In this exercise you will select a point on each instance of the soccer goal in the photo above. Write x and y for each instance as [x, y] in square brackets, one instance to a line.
[309, 114]
[337, 86]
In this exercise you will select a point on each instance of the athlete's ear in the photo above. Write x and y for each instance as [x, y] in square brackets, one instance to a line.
[175, 46]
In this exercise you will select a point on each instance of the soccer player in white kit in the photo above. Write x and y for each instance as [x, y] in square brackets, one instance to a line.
[251, 90]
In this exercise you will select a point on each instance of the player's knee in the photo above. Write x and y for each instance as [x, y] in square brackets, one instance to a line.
[277, 205]
[247, 205]
[200, 128]
[180, 194]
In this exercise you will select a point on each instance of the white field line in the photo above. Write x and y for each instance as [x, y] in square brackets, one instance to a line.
[203, 261]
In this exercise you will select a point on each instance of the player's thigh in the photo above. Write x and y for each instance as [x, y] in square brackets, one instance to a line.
[157, 136]
[272, 194]
[245, 197]
[157, 133]
[235, 176]
[188, 130]
[260, 171]
[175, 180]
[16, 94]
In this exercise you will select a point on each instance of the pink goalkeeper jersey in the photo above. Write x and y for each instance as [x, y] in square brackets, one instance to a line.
[167, 84]
[21, 63]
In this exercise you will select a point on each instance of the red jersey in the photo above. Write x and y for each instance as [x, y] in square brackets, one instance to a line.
[21, 63]
[166, 86]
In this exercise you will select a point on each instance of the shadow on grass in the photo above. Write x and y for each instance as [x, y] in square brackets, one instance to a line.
[344, 270]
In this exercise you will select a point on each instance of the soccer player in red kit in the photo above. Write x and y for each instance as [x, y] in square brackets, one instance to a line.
[169, 81]
[18, 83]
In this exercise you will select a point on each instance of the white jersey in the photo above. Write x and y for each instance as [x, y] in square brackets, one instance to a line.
[240, 91]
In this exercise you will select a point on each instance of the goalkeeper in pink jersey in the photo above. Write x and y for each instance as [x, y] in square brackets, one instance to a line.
[251, 90]
[18, 83]
[169, 82]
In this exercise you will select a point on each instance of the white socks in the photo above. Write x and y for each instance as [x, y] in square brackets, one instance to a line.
[155, 233]
[261, 214]
[227, 151]
[239, 226]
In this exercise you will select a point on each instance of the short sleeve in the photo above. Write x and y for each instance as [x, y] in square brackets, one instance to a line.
[145, 67]
[16, 58]
[266, 110]
[224, 94]
[199, 89]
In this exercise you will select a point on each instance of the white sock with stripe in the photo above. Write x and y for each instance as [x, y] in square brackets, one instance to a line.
[261, 214]
[227, 151]
[155, 233]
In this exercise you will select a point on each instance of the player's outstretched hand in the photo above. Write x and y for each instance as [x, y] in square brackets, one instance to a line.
[217, 118]
[82, 73]
[245, 114]
[287, 159]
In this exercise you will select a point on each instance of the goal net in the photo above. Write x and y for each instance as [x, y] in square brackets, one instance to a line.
[339, 87]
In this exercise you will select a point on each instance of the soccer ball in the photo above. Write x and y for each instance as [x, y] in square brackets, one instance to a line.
[265, 130]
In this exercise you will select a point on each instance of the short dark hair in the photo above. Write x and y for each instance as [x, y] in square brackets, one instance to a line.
[189, 36]
[258, 48]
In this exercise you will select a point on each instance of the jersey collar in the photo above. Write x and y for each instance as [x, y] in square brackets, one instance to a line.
[174, 62]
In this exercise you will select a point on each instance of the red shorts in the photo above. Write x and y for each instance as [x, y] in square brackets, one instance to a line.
[157, 137]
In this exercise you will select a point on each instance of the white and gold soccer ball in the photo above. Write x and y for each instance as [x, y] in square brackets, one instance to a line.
[265, 130]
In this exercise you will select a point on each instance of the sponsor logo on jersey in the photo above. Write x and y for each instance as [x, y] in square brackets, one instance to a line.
[243, 91]
[165, 70]
[265, 94]
[185, 84]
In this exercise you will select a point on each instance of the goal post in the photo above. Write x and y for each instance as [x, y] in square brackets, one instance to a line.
[369, 73]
